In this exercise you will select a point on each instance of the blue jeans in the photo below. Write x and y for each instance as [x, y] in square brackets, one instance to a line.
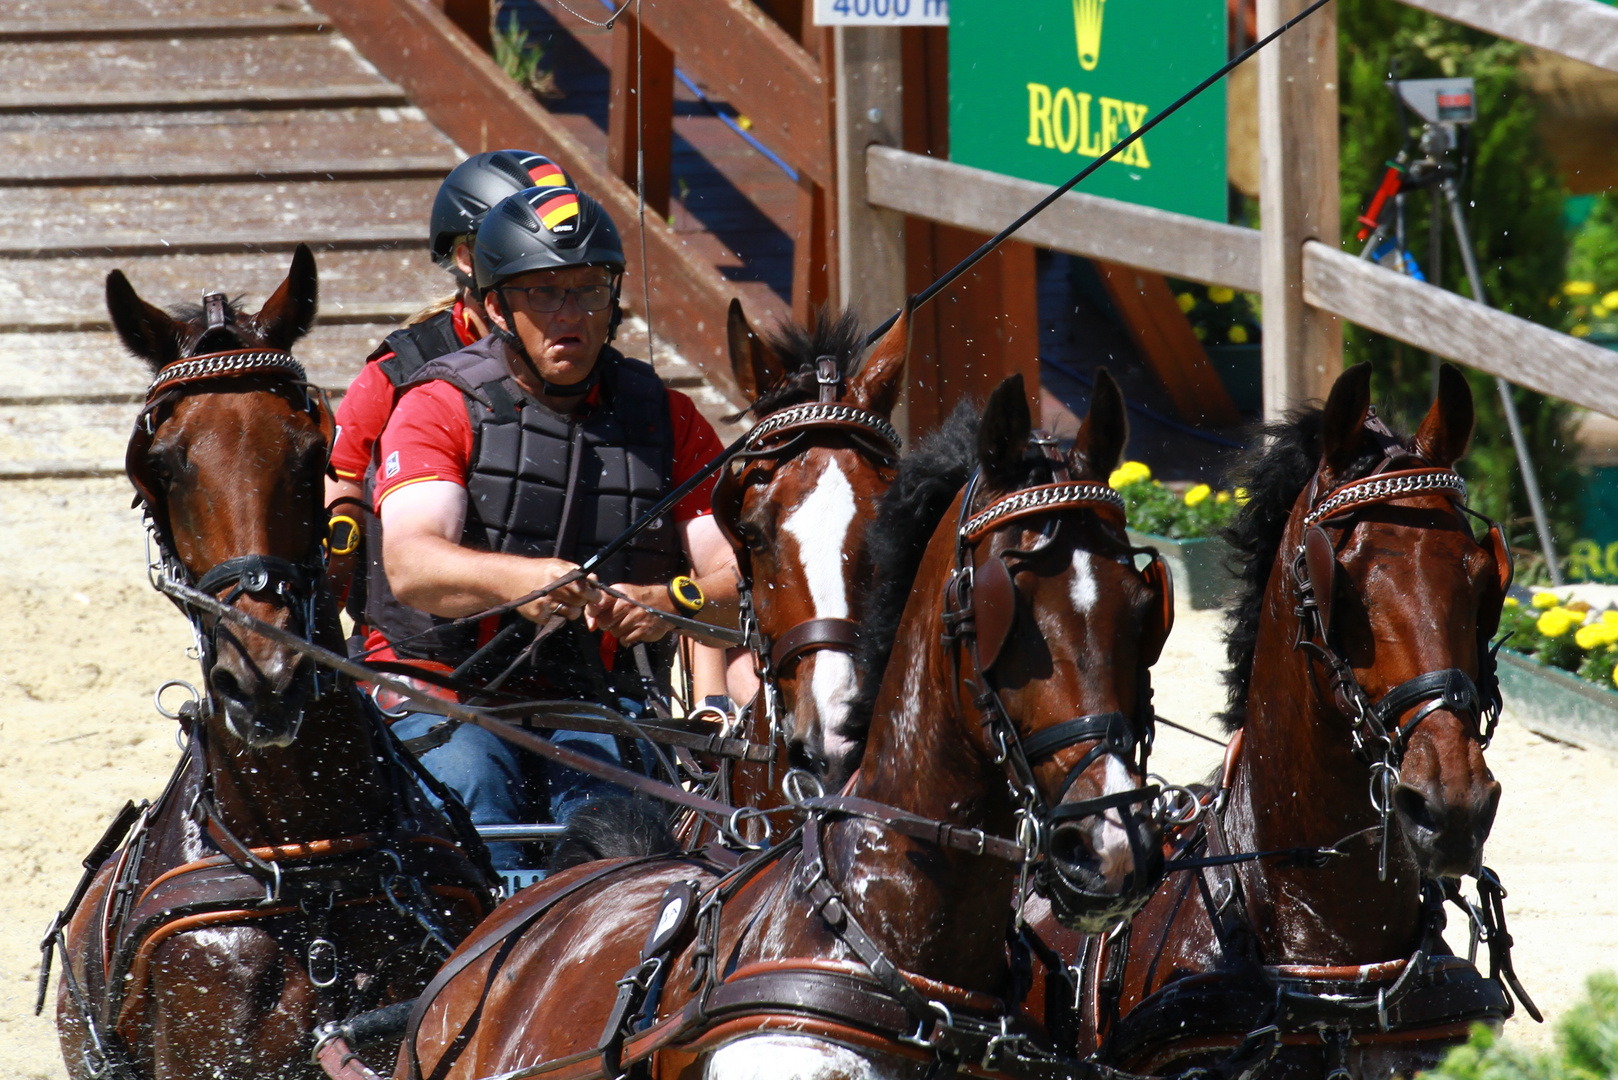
[487, 774]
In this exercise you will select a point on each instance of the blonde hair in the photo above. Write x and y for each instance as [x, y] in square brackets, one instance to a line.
[435, 307]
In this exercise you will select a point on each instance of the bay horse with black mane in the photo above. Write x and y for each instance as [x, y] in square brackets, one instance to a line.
[795, 503]
[1362, 696]
[293, 872]
[873, 942]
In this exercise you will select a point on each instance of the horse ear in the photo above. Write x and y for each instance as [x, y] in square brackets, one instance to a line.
[287, 315]
[1443, 435]
[1342, 424]
[147, 331]
[875, 387]
[754, 363]
[1099, 445]
[1003, 432]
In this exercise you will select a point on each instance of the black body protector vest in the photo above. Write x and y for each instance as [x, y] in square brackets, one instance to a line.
[545, 484]
[411, 346]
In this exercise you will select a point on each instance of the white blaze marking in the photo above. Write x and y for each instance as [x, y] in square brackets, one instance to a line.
[1083, 590]
[788, 1057]
[820, 525]
[1112, 842]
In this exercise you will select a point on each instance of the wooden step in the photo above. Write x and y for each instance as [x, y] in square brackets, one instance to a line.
[238, 97]
[70, 292]
[92, 28]
[171, 219]
[141, 68]
[70, 11]
[42, 369]
[191, 147]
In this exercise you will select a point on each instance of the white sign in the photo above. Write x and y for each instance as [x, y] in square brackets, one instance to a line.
[881, 12]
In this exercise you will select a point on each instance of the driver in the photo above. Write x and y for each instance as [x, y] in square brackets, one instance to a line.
[509, 462]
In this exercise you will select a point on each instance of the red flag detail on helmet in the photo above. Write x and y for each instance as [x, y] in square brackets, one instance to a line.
[559, 212]
[548, 175]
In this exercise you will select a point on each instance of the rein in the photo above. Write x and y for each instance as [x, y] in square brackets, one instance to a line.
[1379, 737]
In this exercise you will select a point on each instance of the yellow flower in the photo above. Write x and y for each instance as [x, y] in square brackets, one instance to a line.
[1558, 621]
[1599, 311]
[1200, 331]
[1130, 472]
[1615, 676]
[1241, 496]
[1610, 618]
[1610, 300]
[1545, 599]
[1580, 330]
[1579, 288]
[1512, 601]
[1220, 294]
[1222, 497]
[1238, 335]
[1197, 494]
[1187, 302]
[1595, 635]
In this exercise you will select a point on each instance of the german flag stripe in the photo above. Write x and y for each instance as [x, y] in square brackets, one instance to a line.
[558, 210]
[547, 175]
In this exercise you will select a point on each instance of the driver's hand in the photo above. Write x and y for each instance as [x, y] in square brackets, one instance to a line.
[569, 601]
[628, 623]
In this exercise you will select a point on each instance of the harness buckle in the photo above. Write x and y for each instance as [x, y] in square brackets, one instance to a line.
[322, 954]
[929, 1040]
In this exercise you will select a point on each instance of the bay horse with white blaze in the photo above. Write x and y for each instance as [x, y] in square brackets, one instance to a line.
[794, 504]
[874, 941]
[1362, 696]
[293, 872]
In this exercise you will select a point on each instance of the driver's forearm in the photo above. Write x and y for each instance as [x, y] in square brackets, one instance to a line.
[435, 575]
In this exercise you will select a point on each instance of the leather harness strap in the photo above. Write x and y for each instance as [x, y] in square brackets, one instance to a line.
[841, 634]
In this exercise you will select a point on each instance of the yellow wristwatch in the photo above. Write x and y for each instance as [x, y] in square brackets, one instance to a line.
[345, 534]
[686, 594]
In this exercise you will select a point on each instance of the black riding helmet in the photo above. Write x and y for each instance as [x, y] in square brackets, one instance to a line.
[546, 228]
[477, 184]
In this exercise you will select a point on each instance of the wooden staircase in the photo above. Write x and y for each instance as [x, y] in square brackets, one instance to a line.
[194, 143]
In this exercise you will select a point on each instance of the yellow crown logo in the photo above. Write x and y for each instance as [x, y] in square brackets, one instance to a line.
[1087, 28]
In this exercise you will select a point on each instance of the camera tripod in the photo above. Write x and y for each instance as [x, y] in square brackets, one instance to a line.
[1443, 105]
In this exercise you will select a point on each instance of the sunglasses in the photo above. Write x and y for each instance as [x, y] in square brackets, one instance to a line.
[548, 299]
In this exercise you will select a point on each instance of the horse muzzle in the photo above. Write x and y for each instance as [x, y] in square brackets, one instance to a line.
[1090, 884]
[262, 703]
[1446, 834]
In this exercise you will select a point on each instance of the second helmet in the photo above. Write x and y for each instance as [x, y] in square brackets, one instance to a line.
[477, 184]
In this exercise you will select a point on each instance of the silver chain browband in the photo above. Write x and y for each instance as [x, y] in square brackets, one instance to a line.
[813, 413]
[234, 362]
[1040, 499]
[1387, 486]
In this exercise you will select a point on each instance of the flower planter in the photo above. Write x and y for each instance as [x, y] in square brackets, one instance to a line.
[1558, 703]
[1199, 567]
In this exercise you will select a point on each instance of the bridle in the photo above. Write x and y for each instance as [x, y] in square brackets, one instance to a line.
[778, 437]
[296, 585]
[979, 609]
[1379, 737]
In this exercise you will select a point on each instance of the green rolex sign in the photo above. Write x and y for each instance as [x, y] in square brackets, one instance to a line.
[1037, 88]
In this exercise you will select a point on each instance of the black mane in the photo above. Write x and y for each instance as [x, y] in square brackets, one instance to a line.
[197, 340]
[1285, 456]
[798, 347]
[909, 513]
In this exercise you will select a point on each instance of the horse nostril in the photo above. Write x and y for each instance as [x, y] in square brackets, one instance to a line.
[226, 684]
[1412, 805]
[1070, 844]
[799, 757]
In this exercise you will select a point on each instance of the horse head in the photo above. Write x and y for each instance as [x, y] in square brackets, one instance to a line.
[1067, 628]
[1409, 600]
[794, 505]
[228, 458]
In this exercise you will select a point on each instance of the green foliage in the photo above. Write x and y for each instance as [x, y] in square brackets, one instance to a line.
[1218, 315]
[1514, 199]
[1162, 511]
[1586, 1046]
[521, 58]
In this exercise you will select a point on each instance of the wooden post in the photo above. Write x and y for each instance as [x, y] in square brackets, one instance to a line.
[869, 105]
[655, 113]
[870, 242]
[473, 18]
[1298, 182]
[811, 272]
